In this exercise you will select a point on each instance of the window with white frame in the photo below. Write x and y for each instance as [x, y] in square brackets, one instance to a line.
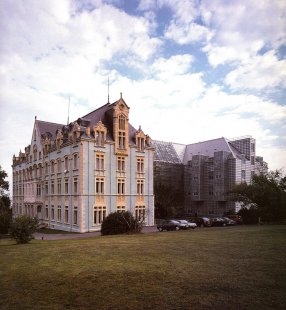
[99, 214]
[121, 140]
[66, 214]
[140, 213]
[66, 186]
[120, 186]
[99, 186]
[59, 165]
[140, 187]
[59, 186]
[75, 161]
[75, 214]
[120, 209]
[121, 163]
[75, 189]
[140, 164]
[47, 212]
[53, 213]
[99, 161]
[66, 163]
[52, 187]
[59, 214]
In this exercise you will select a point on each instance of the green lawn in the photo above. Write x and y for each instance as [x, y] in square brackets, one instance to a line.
[241, 267]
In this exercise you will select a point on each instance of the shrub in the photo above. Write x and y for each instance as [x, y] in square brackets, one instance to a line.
[120, 223]
[22, 228]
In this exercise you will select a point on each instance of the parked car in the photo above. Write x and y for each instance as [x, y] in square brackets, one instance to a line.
[237, 218]
[201, 221]
[187, 224]
[168, 225]
[229, 222]
[218, 221]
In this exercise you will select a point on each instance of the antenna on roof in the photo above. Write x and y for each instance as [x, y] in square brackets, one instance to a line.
[108, 89]
[69, 111]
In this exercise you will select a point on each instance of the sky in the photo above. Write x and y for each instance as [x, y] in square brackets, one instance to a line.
[190, 70]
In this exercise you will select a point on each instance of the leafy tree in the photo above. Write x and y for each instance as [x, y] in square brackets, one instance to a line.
[120, 223]
[267, 193]
[5, 211]
[166, 201]
[22, 228]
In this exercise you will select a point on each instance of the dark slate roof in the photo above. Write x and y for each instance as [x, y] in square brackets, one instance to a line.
[48, 127]
[165, 152]
[105, 115]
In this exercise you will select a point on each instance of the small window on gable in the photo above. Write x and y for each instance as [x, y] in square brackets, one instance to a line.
[121, 122]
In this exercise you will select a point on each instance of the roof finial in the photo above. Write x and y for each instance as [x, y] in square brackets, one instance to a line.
[120, 95]
[35, 117]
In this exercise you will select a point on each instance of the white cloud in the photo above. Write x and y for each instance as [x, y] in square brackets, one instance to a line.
[242, 28]
[262, 72]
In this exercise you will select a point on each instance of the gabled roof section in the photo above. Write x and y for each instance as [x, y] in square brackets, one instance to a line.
[166, 152]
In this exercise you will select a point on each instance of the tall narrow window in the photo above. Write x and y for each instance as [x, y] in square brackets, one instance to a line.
[121, 163]
[46, 168]
[75, 159]
[140, 187]
[66, 214]
[140, 165]
[75, 186]
[52, 166]
[59, 186]
[121, 122]
[140, 213]
[99, 162]
[59, 164]
[47, 212]
[66, 164]
[122, 140]
[52, 213]
[59, 214]
[121, 186]
[99, 186]
[75, 216]
[99, 214]
[52, 187]
[66, 186]
[99, 138]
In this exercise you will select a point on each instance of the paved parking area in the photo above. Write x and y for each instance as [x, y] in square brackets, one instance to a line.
[41, 236]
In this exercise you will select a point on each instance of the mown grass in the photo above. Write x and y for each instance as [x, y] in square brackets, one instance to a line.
[217, 268]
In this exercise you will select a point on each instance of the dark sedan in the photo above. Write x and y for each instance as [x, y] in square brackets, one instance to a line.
[169, 225]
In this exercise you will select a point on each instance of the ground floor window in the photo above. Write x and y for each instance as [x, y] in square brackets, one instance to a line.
[66, 214]
[75, 215]
[47, 212]
[140, 213]
[99, 214]
[53, 213]
[59, 214]
[120, 209]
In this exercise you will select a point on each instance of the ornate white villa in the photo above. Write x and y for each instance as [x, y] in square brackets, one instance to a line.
[72, 176]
